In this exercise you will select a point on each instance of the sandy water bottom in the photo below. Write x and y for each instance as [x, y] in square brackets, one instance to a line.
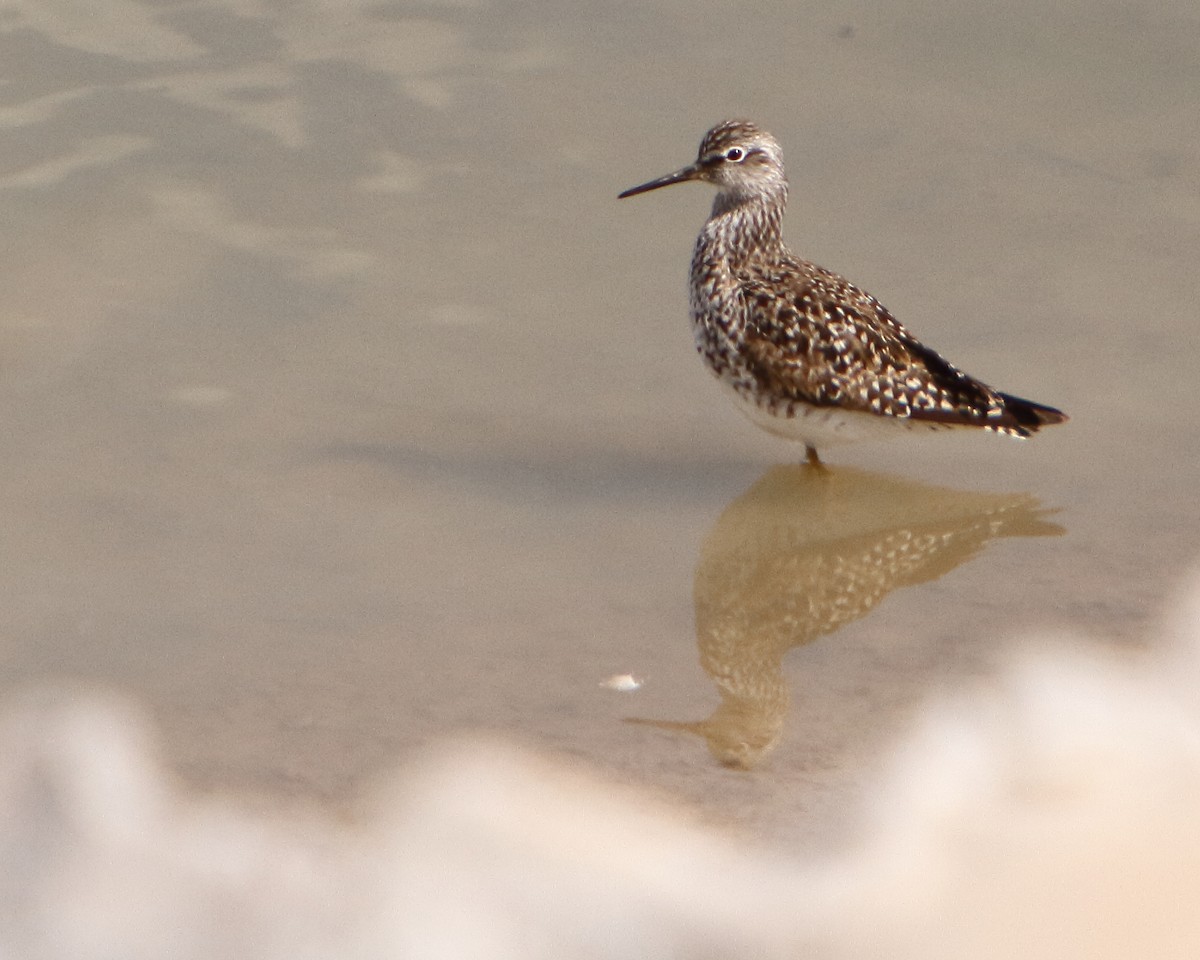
[347, 409]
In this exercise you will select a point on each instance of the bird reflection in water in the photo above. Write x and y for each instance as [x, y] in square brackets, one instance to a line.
[806, 551]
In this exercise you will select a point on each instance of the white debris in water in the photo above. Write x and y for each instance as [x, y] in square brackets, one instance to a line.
[623, 682]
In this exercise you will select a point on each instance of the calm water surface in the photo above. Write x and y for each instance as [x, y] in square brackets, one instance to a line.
[347, 408]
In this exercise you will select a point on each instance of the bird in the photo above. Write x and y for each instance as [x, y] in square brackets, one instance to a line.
[806, 354]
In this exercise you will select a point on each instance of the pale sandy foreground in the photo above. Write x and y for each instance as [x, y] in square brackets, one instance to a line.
[1048, 812]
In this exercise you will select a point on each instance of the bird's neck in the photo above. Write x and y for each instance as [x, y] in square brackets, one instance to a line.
[747, 225]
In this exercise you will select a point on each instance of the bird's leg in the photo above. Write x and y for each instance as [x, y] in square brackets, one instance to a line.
[810, 455]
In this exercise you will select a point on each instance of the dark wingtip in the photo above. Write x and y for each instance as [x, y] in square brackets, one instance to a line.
[1032, 416]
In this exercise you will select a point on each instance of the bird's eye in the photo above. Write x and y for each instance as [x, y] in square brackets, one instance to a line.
[734, 154]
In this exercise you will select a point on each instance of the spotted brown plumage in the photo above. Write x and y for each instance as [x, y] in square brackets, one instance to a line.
[807, 354]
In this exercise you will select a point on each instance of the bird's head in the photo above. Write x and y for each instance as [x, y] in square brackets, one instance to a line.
[737, 157]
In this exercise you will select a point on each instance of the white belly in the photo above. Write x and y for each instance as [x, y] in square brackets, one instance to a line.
[822, 427]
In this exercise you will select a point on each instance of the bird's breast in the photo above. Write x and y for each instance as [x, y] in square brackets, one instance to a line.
[718, 315]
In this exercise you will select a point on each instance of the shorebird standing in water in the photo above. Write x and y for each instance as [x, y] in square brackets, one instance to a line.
[806, 354]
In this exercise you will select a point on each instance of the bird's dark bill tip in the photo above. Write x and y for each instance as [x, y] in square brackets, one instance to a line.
[679, 176]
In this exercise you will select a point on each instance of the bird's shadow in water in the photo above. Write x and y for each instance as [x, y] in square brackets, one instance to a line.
[805, 551]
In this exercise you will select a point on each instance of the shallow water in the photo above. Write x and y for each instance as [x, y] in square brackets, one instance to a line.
[346, 406]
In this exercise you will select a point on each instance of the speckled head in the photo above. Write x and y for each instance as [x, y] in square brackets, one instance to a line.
[735, 156]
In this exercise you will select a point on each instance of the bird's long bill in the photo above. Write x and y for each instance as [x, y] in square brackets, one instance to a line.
[689, 172]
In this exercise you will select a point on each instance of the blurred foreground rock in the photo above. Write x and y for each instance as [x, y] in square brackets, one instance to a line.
[1047, 813]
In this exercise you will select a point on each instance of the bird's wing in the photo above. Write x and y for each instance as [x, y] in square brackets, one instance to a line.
[812, 336]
